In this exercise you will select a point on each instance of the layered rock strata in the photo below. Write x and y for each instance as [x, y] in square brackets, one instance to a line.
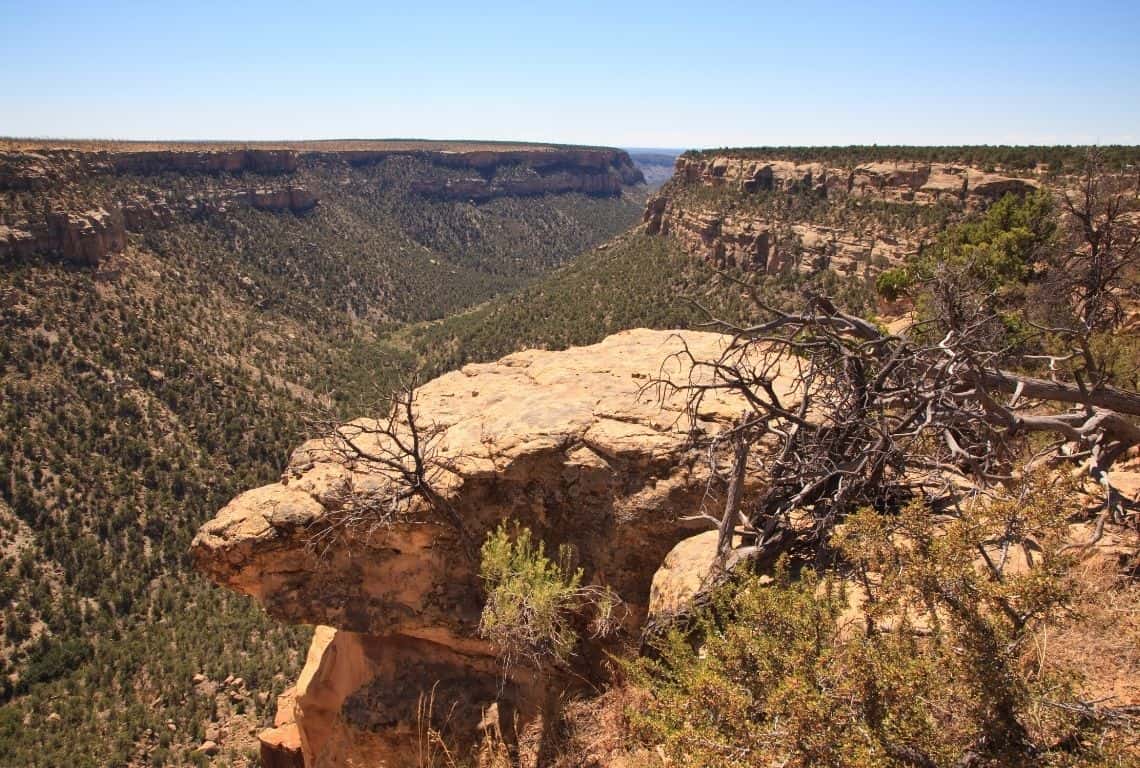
[740, 236]
[572, 444]
[85, 228]
[542, 170]
[757, 243]
[744, 238]
[84, 238]
[88, 237]
[923, 183]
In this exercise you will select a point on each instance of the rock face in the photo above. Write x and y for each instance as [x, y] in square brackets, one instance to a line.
[567, 443]
[87, 238]
[84, 238]
[542, 170]
[85, 228]
[756, 242]
[44, 168]
[531, 173]
[922, 183]
[295, 199]
[222, 161]
[741, 236]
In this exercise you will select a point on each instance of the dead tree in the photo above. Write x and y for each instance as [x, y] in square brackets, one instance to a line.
[396, 461]
[1088, 278]
[1103, 245]
[855, 416]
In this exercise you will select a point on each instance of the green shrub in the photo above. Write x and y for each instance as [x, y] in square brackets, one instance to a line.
[533, 602]
[932, 668]
[893, 283]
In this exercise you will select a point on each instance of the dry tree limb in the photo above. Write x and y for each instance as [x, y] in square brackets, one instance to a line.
[397, 454]
[864, 417]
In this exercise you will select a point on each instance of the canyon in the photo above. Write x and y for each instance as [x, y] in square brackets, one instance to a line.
[177, 313]
[168, 312]
[82, 229]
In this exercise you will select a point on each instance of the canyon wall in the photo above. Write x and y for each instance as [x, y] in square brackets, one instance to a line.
[82, 237]
[589, 170]
[82, 227]
[765, 214]
[903, 181]
[88, 237]
[570, 444]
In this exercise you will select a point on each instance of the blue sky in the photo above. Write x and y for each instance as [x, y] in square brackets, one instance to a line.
[620, 73]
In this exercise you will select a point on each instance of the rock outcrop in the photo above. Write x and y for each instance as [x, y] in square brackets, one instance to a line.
[277, 200]
[205, 161]
[295, 199]
[88, 237]
[756, 242]
[541, 170]
[84, 238]
[47, 167]
[595, 172]
[775, 240]
[724, 239]
[922, 183]
[568, 443]
[86, 226]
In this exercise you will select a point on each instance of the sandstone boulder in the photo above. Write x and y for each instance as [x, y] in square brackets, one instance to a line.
[684, 571]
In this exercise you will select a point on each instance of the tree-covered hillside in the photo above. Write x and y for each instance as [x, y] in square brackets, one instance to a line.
[139, 395]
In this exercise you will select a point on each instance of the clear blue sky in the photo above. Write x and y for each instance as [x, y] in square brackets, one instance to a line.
[632, 73]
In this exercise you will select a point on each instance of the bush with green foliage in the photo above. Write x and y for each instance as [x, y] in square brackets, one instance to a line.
[534, 603]
[922, 647]
[997, 252]
[892, 284]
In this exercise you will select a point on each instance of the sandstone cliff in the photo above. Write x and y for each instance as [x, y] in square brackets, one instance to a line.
[567, 443]
[778, 215]
[596, 171]
[88, 237]
[85, 226]
[922, 183]
[83, 237]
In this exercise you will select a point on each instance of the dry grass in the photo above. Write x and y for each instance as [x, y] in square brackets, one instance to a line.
[589, 733]
[1102, 638]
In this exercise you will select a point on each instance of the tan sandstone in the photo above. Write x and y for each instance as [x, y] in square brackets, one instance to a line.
[570, 443]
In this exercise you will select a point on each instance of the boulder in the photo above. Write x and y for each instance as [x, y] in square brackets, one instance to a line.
[682, 574]
[208, 748]
[986, 188]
